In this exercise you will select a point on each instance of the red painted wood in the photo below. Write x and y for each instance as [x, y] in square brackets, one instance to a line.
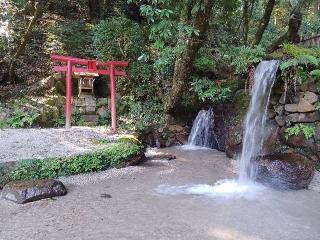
[85, 61]
[68, 95]
[75, 69]
[113, 98]
[91, 67]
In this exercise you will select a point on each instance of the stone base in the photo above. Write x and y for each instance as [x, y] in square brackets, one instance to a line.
[29, 191]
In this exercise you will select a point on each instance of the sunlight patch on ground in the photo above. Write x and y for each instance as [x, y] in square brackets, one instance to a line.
[228, 234]
[224, 188]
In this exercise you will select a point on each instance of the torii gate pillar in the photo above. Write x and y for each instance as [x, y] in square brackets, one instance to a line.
[90, 66]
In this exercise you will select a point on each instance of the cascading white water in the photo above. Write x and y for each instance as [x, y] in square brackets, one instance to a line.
[254, 129]
[202, 133]
[254, 126]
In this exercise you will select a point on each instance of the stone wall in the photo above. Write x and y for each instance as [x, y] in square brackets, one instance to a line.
[283, 113]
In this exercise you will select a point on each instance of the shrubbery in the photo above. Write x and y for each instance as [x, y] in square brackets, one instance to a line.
[114, 155]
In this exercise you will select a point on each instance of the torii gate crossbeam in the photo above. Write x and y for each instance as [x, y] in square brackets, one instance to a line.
[89, 66]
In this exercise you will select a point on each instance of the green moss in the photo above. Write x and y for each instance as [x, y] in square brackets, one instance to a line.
[298, 51]
[113, 155]
[277, 55]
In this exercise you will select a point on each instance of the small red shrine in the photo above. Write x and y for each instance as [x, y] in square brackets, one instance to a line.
[78, 65]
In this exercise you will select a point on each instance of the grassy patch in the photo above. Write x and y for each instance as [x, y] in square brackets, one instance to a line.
[114, 155]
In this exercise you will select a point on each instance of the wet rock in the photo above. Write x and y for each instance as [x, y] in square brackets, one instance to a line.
[285, 171]
[317, 135]
[271, 114]
[29, 191]
[176, 128]
[282, 99]
[291, 107]
[304, 106]
[270, 138]
[233, 141]
[303, 117]
[281, 121]
[182, 139]
[310, 97]
[279, 109]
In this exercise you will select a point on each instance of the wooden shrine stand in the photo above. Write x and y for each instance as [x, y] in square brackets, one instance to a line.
[78, 65]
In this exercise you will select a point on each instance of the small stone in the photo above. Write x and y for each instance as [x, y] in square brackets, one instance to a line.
[291, 108]
[176, 128]
[305, 106]
[310, 97]
[279, 109]
[105, 195]
[282, 99]
[271, 114]
[89, 118]
[281, 121]
[29, 191]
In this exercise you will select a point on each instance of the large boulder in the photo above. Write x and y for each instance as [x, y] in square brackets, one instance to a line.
[310, 97]
[303, 107]
[303, 117]
[285, 171]
[29, 191]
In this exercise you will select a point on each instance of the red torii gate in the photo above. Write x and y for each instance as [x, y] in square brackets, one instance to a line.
[89, 66]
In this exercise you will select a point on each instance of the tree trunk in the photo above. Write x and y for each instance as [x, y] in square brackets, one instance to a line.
[292, 34]
[184, 61]
[95, 10]
[264, 21]
[245, 17]
[38, 10]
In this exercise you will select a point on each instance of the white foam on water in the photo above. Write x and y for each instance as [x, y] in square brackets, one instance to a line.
[189, 147]
[229, 188]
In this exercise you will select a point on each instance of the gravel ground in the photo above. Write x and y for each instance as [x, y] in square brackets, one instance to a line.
[124, 205]
[16, 144]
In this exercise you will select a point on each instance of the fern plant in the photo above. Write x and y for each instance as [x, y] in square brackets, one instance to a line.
[307, 131]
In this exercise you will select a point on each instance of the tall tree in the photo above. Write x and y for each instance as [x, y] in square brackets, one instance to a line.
[183, 63]
[264, 21]
[294, 24]
[37, 8]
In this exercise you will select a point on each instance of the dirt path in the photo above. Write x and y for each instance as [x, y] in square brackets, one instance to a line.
[137, 211]
[18, 144]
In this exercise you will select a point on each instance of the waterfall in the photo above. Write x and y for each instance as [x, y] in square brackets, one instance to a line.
[254, 126]
[202, 133]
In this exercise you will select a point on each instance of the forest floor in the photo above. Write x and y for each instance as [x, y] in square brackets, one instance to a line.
[125, 204]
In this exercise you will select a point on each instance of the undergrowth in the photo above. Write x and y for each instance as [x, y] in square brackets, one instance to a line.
[115, 155]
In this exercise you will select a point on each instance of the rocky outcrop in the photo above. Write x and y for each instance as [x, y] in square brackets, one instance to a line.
[285, 171]
[174, 134]
[29, 191]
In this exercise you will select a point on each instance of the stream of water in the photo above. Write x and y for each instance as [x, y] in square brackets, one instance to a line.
[253, 138]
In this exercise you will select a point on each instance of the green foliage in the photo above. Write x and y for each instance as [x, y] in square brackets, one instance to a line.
[307, 131]
[114, 155]
[71, 38]
[205, 61]
[61, 120]
[165, 61]
[119, 39]
[21, 116]
[138, 116]
[207, 89]
[315, 73]
[296, 51]
[105, 117]
[244, 56]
